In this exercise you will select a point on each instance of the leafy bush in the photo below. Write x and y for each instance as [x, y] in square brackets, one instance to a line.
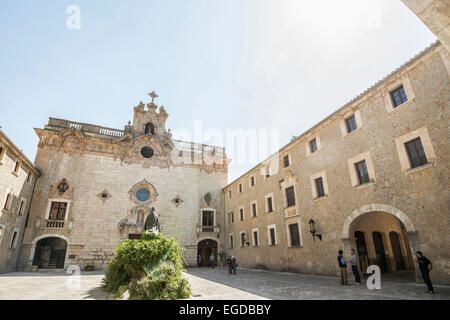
[163, 282]
[149, 267]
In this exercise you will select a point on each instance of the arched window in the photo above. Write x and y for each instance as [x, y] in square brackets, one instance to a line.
[149, 128]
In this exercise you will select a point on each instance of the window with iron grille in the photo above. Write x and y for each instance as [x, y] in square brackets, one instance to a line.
[319, 187]
[416, 154]
[398, 96]
[295, 236]
[313, 145]
[351, 124]
[361, 171]
[290, 197]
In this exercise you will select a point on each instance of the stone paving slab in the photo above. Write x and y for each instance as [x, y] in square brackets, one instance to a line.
[217, 284]
[293, 286]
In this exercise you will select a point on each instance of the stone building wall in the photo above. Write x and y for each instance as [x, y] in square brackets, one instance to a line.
[20, 187]
[418, 197]
[94, 161]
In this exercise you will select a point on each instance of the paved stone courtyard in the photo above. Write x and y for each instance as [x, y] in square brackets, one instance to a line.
[214, 284]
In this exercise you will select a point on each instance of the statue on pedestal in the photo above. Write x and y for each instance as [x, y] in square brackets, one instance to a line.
[152, 223]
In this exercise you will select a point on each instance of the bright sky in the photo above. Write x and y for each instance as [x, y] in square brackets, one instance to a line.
[233, 64]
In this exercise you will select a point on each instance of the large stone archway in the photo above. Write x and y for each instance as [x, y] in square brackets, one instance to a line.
[49, 251]
[377, 234]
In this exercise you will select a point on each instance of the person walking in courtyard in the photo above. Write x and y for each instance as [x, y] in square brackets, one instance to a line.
[199, 260]
[343, 267]
[425, 267]
[354, 264]
[230, 269]
[212, 260]
[233, 264]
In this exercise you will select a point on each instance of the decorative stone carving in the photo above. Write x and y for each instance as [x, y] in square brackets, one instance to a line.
[177, 201]
[208, 201]
[104, 195]
[144, 184]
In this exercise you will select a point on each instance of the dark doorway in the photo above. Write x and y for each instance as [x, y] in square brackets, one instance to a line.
[205, 249]
[50, 253]
[379, 251]
[397, 251]
[361, 248]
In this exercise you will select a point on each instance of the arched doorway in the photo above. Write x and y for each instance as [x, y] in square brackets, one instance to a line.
[380, 239]
[205, 249]
[50, 253]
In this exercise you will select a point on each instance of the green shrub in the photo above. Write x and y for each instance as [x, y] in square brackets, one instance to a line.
[150, 267]
[163, 282]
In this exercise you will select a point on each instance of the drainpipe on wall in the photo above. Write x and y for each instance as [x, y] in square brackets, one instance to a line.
[26, 219]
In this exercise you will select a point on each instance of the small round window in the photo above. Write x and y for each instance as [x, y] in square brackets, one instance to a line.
[143, 194]
[147, 152]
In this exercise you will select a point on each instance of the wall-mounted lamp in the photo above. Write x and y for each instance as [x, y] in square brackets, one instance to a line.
[312, 229]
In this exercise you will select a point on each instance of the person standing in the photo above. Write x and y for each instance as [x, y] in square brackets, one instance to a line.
[343, 267]
[212, 260]
[229, 264]
[199, 260]
[354, 264]
[425, 267]
[233, 264]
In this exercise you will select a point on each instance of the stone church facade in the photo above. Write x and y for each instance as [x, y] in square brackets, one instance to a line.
[99, 184]
[373, 176]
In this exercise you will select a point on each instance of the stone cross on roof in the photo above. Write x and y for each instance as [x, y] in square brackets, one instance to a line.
[153, 95]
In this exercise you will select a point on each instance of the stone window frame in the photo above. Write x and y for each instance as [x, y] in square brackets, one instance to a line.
[274, 227]
[308, 145]
[267, 196]
[2, 152]
[242, 245]
[254, 202]
[427, 145]
[312, 178]
[387, 98]
[230, 214]
[6, 206]
[231, 241]
[257, 237]
[283, 157]
[243, 213]
[29, 178]
[2, 234]
[215, 217]
[17, 167]
[250, 181]
[13, 244]
[22, 207]
[343, 122]
[49, 207]
[288, 234]
[370, 169]
[240, 187]
[230, 194]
